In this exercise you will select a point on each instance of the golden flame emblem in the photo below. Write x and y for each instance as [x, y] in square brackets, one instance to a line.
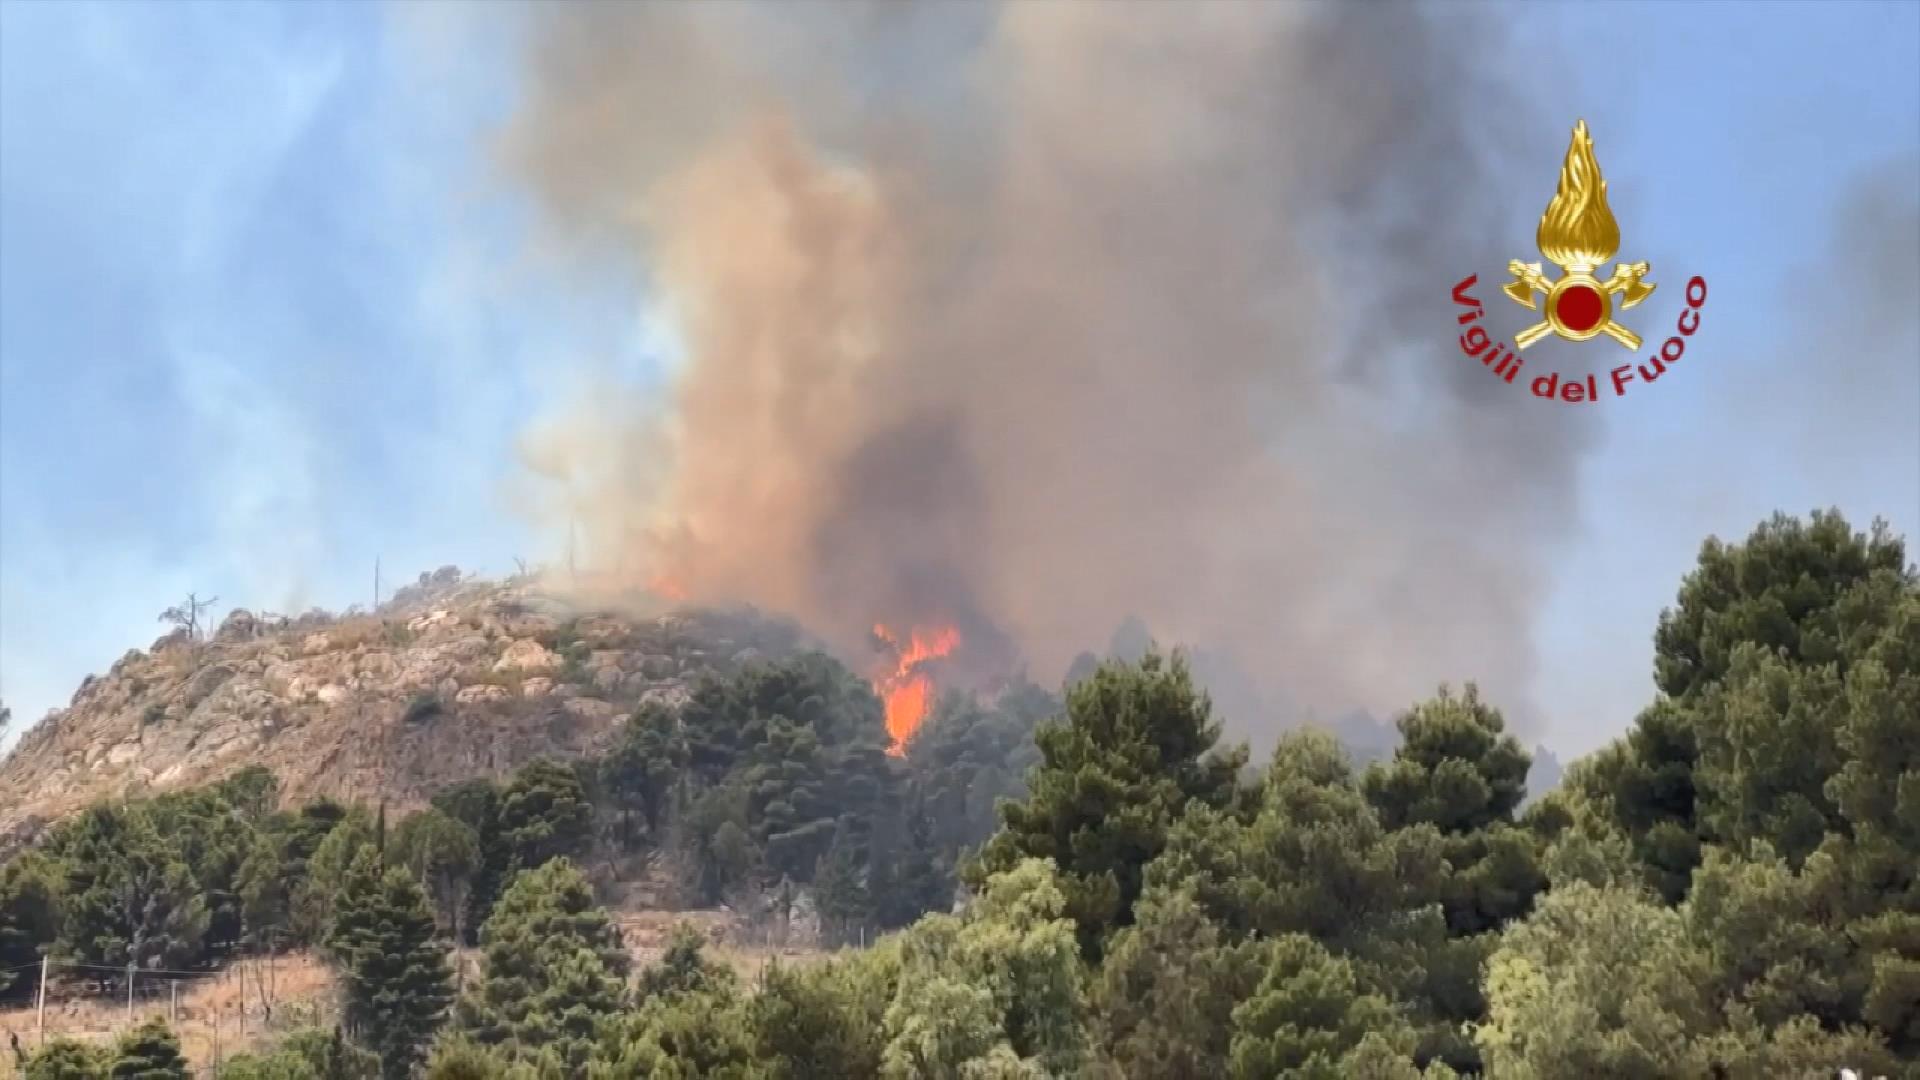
[1578, 233]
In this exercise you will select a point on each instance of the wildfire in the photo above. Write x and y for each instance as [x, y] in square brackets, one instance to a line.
[667, 587]
[907, 690]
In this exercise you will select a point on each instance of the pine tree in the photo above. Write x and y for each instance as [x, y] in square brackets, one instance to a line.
[698, 1036]
[1307, 1014]
[305, 1055]
[683, 968]
[266, 892]
[198, 826]
[640, 772]
[788, 782]
[444, 854]
[967, 757]
[67, 1059]
[251, 792]
[1749, 661]
[544, 815]
[1457, 770]
[733, 862]
[394, 975]
[127, 897]
[555, 969]
[476, 804]
[1166, 990]
[331, 1056]
[809, 1024]
[840, 890]
[458, 1058]
[314, 897]
[916, 880]
[1311, 857]
[996, 992]
[1135, 747]
[148, 1052]
[29, 918]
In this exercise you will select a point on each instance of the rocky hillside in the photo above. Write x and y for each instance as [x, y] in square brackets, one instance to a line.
[452, 679]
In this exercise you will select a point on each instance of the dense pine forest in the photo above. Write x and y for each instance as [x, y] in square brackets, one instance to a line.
[1095, 885]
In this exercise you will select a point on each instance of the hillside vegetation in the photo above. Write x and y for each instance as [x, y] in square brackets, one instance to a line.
[1732, 889]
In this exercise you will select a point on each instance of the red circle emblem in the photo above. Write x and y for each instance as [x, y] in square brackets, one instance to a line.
[1579, 308]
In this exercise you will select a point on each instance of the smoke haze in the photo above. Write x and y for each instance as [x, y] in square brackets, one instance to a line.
[1031, 318]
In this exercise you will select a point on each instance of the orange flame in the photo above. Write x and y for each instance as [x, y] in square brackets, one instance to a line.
[667, 587]
[907, 690]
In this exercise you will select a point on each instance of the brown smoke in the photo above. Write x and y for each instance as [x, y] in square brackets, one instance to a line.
[1030, 318]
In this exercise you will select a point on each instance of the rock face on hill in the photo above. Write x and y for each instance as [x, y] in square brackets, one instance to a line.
[453, 679]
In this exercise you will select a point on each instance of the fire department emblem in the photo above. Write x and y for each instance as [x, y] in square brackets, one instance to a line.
[1578, 234]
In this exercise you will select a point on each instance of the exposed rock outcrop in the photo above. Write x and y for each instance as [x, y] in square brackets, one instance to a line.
[451, 680]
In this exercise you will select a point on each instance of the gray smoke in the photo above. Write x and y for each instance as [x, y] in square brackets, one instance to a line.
[1854, 364]
[1031, 318]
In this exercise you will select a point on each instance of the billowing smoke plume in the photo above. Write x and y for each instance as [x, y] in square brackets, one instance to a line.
[1035, 317]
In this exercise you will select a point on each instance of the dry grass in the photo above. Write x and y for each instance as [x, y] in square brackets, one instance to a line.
[208, 1013]
[353, 631]
[225, 1012]
[747, 953]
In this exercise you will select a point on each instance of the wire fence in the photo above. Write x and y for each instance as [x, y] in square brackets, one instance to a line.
[215, 1013]
[252, 1002]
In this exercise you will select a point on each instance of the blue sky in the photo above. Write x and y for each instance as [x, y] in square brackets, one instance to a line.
[1729, 134]
[263, 318]
[255, 324]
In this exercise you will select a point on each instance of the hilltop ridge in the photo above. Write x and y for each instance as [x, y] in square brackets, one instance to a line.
[452, 678]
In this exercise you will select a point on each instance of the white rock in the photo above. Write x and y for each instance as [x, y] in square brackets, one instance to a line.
[479, 693]
[803, 920]
[527, 655]
[467, 649]
[590, 708]
[378, 665]
[537, 686]
[600, 629]
[430, 621]
[425, 671]
[236, 746]
[672, 696]
[528, 625]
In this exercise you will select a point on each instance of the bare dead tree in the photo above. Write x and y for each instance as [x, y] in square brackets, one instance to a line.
[187, 616]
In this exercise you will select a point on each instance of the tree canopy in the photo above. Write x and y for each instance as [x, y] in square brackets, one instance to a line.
[1730, 889]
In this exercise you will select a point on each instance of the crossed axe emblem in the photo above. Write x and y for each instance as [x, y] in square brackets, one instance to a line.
[1579, 305]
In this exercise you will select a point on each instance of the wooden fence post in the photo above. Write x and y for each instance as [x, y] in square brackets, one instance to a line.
[45, 962]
